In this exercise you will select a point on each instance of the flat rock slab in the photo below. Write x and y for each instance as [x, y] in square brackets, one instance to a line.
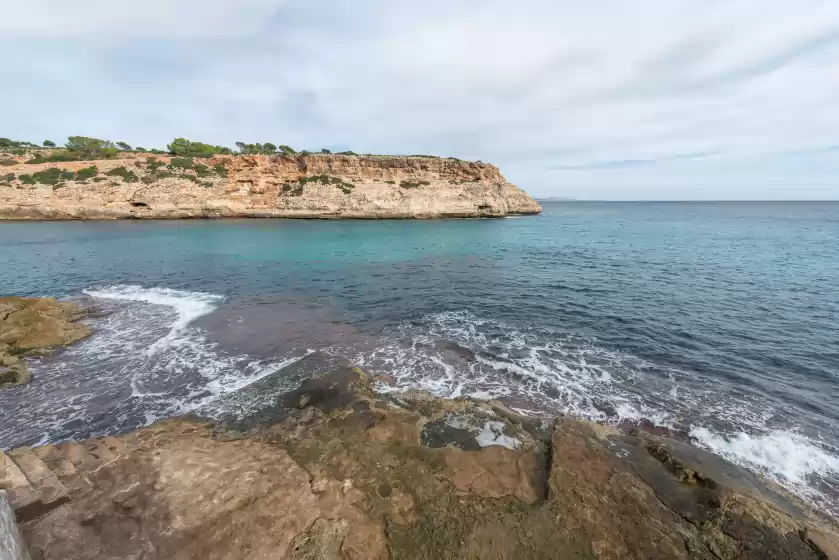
[335, 470]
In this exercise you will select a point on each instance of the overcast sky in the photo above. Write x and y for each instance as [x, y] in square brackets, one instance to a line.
[607, 99]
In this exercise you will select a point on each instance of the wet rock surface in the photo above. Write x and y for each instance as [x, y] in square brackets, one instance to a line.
[29, 326]
[336, 470]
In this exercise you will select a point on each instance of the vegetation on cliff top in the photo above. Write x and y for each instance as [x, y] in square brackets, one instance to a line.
[87, 148]
[148, 172]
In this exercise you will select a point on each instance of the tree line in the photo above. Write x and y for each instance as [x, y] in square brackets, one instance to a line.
[83, 147]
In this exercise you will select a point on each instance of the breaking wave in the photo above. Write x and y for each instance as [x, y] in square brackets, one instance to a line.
[543, 371]
[145, 361]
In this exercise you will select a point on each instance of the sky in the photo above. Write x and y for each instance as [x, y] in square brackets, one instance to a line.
[601, 100]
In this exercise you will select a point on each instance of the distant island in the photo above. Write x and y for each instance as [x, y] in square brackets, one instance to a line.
[90, 178]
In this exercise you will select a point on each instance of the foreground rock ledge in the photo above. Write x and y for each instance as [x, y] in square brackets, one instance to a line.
[338, 471]
[279, 186]
[30, 327]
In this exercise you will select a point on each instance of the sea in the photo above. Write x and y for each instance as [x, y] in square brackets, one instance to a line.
[716, 321]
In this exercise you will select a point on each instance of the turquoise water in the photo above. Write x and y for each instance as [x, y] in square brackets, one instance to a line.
[719, 321]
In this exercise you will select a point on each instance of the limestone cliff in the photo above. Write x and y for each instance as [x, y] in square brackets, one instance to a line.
[311, 186]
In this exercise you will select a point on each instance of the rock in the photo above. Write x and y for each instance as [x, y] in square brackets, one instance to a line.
[322, 542]
[369, 187]
[12, 546]
[358, 475]
[32, 325]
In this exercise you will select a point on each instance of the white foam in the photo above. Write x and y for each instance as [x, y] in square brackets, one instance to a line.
[492, 434]
[188, 306]
[543, 372]
[785, 456]
[145, 361]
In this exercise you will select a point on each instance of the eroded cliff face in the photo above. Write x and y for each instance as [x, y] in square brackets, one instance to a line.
[312, 186]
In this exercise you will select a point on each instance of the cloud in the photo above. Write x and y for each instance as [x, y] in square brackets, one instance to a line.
[93, 20]
[606, 101]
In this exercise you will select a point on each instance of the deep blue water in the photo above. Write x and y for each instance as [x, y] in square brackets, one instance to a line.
[717, 319]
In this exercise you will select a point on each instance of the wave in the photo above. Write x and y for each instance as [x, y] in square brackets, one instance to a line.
[145, 361]
[780, 452]
[542, 371]
[148, 360]
[788, 458]
[539, 368]
[188, 306]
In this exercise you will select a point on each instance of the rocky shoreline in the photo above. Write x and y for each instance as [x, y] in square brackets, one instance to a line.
[30, 327]
[341, 468]
[314, 186]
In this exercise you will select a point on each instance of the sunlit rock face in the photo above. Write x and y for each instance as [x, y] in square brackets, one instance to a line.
[313, 186]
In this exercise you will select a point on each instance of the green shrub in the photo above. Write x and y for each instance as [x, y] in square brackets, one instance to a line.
[165, 175]
[293, 189]
[347, 153]
[7, 143]
[325, 151]
[99, 179]
[153, 164]
[86, 173]
[220, 169]
[49, 144]
[124, 174]
[390, 182]
[8, 177]
[90, 148]
[26, 179]
[54, 158]
[139, 149]
[123, 146]
[190, 177]
[8, 162]
[184, 163]
[183, 147]
[201, 170]
[53, 176]
[413, 185]
[296, 189]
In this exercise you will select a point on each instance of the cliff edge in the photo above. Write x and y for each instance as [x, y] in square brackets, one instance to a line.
[325, 186]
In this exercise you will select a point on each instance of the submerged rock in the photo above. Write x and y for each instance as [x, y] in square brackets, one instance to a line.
[339, 471]
[29, 326]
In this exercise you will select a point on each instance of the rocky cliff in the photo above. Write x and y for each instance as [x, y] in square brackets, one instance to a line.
[311, 186]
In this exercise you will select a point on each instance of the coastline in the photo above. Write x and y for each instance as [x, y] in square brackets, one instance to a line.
[146, 186]
[340, 469]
